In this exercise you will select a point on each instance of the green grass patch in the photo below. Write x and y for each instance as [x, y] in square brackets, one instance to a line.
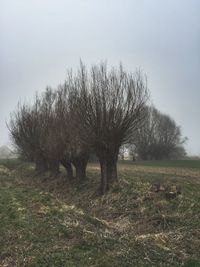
[191, 164]
[10, 163]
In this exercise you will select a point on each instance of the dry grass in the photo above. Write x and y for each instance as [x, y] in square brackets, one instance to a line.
[130, 226]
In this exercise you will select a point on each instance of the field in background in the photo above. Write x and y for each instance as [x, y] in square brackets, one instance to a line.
[166, 163]
[47, 221]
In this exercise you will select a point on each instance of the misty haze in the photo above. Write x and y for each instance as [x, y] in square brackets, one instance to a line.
[99, 133]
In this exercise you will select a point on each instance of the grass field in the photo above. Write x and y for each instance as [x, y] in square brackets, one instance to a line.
[167, 163]
[48, 221]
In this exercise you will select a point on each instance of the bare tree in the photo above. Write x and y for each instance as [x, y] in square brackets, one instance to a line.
[25, 131]
[33, 131]
[47, 134]
[145, 135]
[96, 109]
[110, 107]
[132, 151]
[49, 131]
[74, 150]
[122, 152]
[158, 137]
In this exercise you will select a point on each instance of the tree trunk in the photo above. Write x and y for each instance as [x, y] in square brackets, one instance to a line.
[54, 167]
[68, 167]
[108, 175]
[41, 165]
[80, 171]
[108, 164]
[80, 166]
[114, 172]
[104, 177]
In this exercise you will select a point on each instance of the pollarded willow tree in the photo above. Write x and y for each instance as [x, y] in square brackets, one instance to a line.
[50, 132]
[31, 130]
[74, 149]
[96, 110]
[109, 105]
[26, 132]
[47, 134]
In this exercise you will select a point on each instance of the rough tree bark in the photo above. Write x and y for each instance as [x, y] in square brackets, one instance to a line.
[108, 165]
[41, 165]
[80, 165]
[54, 167]
[68, 167]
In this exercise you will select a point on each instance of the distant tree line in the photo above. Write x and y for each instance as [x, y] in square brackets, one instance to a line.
[158, 138]
[94, 111]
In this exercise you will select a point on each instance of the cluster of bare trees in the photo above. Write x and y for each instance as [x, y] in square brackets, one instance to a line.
[96, 109]
[158, 137]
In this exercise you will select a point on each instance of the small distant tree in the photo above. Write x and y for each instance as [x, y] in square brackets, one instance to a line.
[122, 151]
[145, 136]
[132, 151]
[158, 137]
[178, 153]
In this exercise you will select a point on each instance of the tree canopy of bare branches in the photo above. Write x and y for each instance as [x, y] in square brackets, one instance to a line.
[96, 109]
[158, 137]
[110, 107]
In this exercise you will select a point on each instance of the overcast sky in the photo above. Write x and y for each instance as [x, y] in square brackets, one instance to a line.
[40, 39]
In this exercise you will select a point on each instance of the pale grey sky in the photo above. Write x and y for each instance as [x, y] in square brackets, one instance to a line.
[40, 39]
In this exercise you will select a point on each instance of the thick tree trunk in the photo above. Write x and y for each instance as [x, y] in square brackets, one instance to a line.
[114, 172]
[68, 167]
[80, 165]
[104, 177]
[41, 165]
[80, 171]
[108, 175]
[114, 168]
[108, 164]
[54, 167]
